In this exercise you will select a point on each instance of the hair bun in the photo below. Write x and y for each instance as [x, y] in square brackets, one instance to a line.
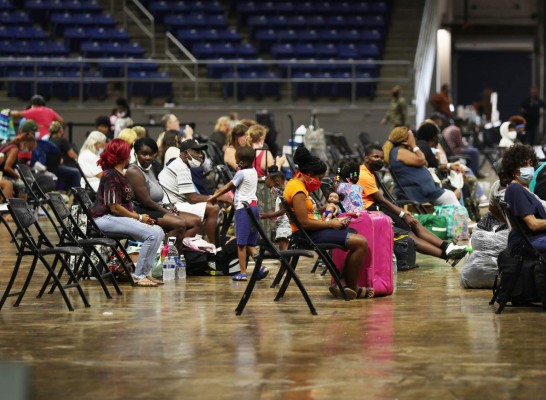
[302, 155]
[272, 169]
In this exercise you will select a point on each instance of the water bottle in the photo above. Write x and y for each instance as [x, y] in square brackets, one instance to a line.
[181, 267]
[172, 257]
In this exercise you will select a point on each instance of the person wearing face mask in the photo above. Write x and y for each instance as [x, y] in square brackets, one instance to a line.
[114, 213]
[518, 164]
[148, 195]
[89, 155]
[176, 179]
[425, 241]
[307, 180]
[508, 135]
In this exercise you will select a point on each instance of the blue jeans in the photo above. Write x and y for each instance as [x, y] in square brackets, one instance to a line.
[539, 244]
[474, 161]
[69, 175]
[150, 236]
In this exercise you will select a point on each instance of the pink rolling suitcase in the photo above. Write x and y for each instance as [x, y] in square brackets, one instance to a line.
[378, 265]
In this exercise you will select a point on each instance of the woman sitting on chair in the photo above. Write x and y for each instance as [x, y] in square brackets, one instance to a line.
[114, 214]
[149, 195]
[518, 164]
[408, 163]
[307, 180]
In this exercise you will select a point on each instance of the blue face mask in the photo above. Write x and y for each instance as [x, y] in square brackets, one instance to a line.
[526, 175]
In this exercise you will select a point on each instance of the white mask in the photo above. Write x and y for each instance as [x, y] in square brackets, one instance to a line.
[142, 168]
[193, 162]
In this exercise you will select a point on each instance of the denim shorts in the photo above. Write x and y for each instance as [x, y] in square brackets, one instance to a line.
[334, 236]
[246, 233]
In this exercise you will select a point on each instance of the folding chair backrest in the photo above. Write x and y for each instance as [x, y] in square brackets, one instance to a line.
[265, 239]
[401, 192]
[388, 194]
[88, 186]
[30, 182]
[445, 146]
[83, 199]
[22, 213]
[294, 220]
[215, 153]
[59, 207]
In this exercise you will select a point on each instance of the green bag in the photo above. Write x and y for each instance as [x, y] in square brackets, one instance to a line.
[437, 224]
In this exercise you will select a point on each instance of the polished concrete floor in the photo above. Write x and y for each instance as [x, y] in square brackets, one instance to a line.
[430, 340]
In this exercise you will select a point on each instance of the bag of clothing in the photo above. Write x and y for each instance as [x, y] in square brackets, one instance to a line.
[437, 224]
[7, 129]
[457, 221]
[480, 266]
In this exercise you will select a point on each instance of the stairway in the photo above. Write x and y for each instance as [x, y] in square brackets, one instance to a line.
[400, 44]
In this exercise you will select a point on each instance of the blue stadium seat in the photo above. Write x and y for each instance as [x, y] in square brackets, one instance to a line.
[6, 5]
[283, 51]
[14, 18]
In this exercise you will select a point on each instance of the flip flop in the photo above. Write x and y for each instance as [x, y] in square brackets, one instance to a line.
[365, 293]
[334, 289]
[144, 282]
[263, 273]
[240, 277]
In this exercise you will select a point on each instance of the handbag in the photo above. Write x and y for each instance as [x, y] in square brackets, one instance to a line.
[437, 224]
[170, 206]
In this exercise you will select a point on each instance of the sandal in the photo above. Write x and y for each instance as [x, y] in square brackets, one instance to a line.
[263, 273]
[154, 280]
[144, 282]
[240, 277]
[365, 293]
[350, 293]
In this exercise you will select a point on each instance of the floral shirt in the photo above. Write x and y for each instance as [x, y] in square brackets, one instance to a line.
[352, 201]
[113, 189]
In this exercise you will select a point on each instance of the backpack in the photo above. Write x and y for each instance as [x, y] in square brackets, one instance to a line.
[227, 261]
[404, 250]
[515, 282]
[457, 221]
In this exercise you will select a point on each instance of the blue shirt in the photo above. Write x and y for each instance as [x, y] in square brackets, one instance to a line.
[522, 202]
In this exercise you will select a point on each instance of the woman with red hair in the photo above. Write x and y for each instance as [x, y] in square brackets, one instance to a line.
[113, 210]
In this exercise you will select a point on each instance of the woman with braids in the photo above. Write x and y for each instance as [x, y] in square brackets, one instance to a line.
[113, 210]
[307, 180]
[149, 195]
[518, 163]
[408, 162]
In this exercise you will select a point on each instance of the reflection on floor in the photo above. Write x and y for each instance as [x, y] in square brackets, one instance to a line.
[431, 340]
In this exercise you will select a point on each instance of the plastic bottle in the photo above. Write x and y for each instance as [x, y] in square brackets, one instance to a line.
[181, 267]
[172, 257]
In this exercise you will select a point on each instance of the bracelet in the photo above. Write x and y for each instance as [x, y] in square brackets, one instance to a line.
[140, 217]
[416, 149]
[402, 213]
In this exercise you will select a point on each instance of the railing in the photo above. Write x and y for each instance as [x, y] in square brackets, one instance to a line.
[425, 57]
[148, 31]
[179, 72]
[170, 39]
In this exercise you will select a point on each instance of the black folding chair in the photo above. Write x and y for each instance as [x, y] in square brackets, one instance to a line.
[527, 252]
[269, 251]
[307, 243]
[36, 196]
[90, 191]
[39, 247]
[402, 195]
[451, 156]
[93, 231]
[73, 236]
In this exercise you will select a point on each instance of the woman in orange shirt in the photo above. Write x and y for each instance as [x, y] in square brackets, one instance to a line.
[311, 171]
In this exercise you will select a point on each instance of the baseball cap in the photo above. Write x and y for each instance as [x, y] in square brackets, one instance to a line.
[29, 126]
[192, 144]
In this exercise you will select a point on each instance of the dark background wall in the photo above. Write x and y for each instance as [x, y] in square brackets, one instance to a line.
[508, 73]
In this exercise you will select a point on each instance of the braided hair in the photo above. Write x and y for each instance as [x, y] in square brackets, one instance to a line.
[308, 163]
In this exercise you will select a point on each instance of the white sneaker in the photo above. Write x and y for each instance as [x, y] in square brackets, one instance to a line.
[455, 251]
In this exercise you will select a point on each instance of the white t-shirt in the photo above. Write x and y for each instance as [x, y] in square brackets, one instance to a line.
[172, 152]
[177, 181]
[88, 163]
[246, 182]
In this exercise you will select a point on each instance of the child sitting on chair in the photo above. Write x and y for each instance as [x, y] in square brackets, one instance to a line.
[245, 183]
[275, 181]
[350, 193]
[332, 207]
